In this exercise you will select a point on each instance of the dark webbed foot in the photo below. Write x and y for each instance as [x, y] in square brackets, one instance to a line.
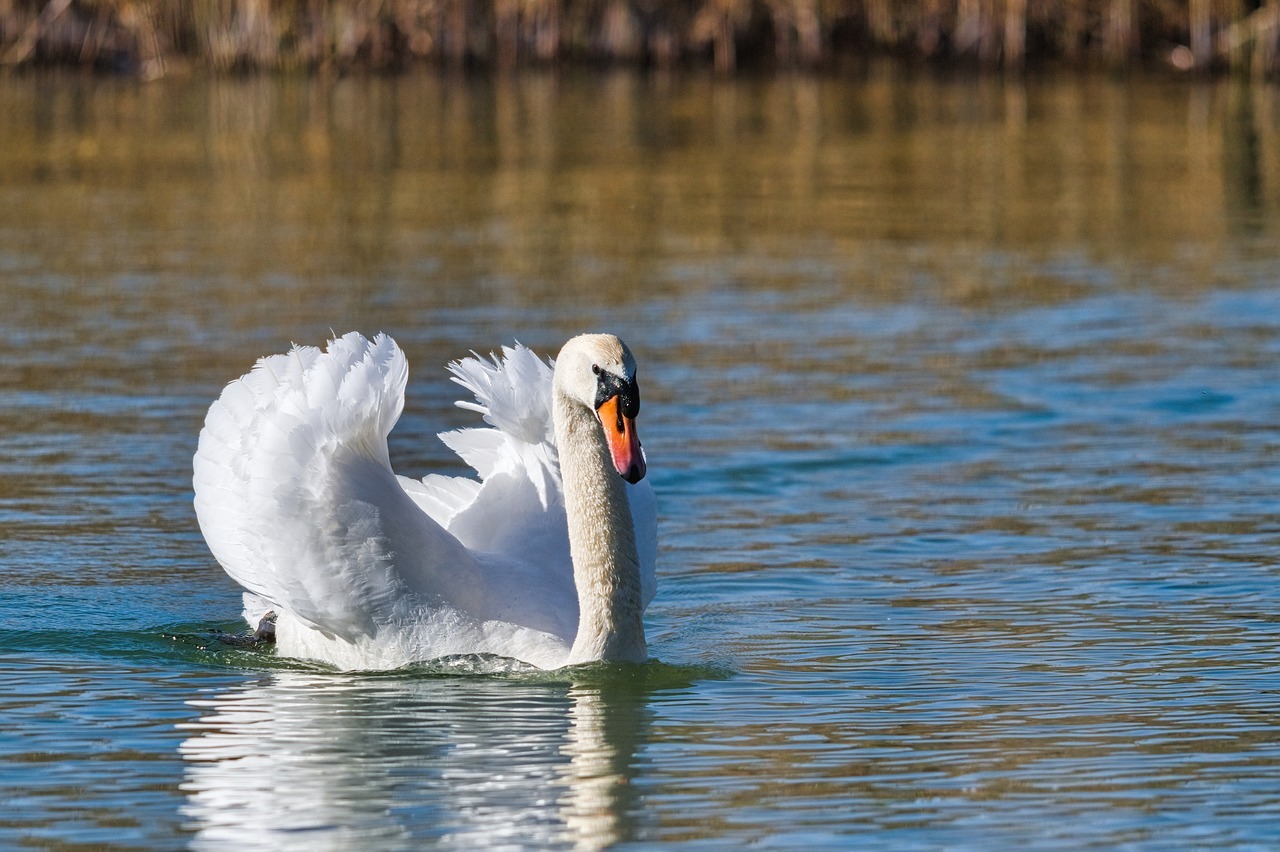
[266, 631]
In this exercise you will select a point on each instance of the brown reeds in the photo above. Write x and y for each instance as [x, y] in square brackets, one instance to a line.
[150, 37]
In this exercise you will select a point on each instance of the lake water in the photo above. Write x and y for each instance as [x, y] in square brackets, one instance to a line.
[961, 401]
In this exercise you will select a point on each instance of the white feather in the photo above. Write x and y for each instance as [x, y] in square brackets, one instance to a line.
[295, 495]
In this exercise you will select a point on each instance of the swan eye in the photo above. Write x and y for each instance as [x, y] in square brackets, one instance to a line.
[595, 368]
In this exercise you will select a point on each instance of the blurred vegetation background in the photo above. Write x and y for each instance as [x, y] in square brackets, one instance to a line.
[155, 37]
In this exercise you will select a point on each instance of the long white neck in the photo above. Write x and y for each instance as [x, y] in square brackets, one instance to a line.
[602, 541]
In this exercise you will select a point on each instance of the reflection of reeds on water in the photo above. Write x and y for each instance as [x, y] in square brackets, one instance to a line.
[149, 36]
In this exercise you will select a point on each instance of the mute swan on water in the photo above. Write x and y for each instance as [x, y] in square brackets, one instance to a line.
[548, 558]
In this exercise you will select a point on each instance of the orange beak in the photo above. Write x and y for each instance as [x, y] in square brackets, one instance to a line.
[624, 443]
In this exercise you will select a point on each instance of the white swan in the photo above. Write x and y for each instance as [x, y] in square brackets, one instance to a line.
[548, 559]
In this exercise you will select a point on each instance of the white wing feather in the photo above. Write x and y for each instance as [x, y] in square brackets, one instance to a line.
[519, 508]
[295, 495]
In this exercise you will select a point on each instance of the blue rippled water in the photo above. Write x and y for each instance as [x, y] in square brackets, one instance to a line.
[962, 419]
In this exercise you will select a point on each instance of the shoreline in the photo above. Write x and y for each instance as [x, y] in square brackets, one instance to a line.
[152, 39]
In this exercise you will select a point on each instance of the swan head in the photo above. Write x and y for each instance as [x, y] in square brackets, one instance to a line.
[598, 371]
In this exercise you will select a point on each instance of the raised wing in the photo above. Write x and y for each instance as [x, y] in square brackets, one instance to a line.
[296, 497]
[517, 511]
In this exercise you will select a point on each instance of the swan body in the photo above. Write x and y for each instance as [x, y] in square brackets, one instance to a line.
[548, 557]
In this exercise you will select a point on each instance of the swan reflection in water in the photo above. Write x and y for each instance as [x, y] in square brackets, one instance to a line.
[339, 762]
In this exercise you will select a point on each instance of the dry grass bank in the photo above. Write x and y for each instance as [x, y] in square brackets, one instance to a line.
[151, 37]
